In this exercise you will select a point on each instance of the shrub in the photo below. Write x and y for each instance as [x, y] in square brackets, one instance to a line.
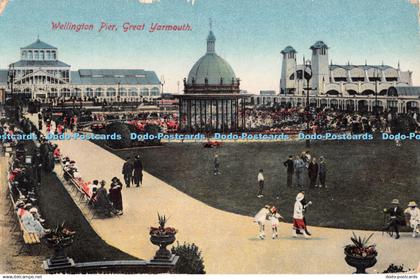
[190, 260]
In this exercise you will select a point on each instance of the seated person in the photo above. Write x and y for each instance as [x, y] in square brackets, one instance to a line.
[101, 200]
[32, 225]
[414, 213]
[93, 196]
[91, 186]
[396, 217]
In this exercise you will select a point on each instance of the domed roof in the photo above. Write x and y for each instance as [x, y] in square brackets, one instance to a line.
[211, 67]
[214, 68]
[318, 45]
[288, 49]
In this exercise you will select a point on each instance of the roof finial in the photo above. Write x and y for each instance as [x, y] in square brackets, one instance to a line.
[365, 62]
[399, 64]
[211, 24]
[37, 37]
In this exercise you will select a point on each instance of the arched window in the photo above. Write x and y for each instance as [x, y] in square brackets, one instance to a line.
[133, 92]
[110, 92]
[155, 91]
[65, 92]
[98, 92]
[89, 92]
[123, 92]
[144, 92]
[77, 92]
[53, 92]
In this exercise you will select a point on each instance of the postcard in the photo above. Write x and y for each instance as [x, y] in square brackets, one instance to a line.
[210, 137]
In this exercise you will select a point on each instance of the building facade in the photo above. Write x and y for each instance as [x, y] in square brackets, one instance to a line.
[41, 76]
[351, 87]
[211, 99]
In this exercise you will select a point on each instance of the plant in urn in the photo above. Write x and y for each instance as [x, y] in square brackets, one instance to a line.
[162, 237]
[59, 239]
[359, 254]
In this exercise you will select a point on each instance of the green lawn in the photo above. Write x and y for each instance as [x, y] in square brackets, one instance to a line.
[363, 177]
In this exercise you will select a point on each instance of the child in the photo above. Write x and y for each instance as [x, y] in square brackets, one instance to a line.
[260, 219]
[260, 179]
[275, 221]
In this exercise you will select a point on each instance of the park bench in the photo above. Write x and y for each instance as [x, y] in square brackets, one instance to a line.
[29, 240]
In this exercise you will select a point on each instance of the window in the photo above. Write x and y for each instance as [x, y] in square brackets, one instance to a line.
[144, 92]
[89, 92]
[123, 92]
[36, 55]
[355, 79]
[110, 92]
[98, 92]
[24, 55]
[41, 55]
[133, 92]
[155, 91]
[30, 55]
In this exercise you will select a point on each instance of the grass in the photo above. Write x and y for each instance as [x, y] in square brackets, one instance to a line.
[362, 179]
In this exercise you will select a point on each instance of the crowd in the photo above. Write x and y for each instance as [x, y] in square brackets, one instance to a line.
[294, 120]
[109, 202]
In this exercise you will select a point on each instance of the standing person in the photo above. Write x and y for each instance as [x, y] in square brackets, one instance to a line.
[299, 167]
[414, 213]
[102, 200]
[397, 217]
[290, 170]
[322, 173]
[127, 171]
[115, 195]
[216, 162]
[298, 217]
[260, 179]
[305, 205]
[313, 172]
[260, 219]
[40, 124]
[138, 171]
[275, 221]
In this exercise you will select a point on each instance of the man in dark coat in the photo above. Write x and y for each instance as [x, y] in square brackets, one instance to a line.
[322, 173]
[290, 170]
[138, 171]
[127, 172]
[312, 172]
[397, 217]
[102, 201]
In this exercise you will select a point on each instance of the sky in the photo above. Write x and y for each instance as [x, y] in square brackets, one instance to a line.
[250, 34]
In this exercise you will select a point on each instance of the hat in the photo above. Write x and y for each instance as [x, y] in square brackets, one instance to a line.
[267, 206]
[395, 201]
[33, 210]
[28, 205]
[300, 197]
[412, 204]
[137, 156]
[114, 178]
[103, 182]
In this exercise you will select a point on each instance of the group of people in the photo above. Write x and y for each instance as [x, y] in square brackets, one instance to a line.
[399, 217]
[271, 214]
[297, 166]
[109, 201]
[296, 119]
[132, 171]
[60, 125]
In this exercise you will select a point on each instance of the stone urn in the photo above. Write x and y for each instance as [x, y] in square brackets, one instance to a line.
[360, 262]
[162, 236]
[59, 244]
[162, 240]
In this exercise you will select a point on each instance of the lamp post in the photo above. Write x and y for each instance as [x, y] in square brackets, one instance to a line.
[376, 92]
[308, 76]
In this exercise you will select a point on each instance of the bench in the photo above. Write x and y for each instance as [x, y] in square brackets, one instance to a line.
[29, 239]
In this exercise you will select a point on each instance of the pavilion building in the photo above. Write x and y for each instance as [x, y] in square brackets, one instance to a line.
[40, 75]
[211, 99]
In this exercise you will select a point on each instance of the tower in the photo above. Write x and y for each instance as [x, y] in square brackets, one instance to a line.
[288, 70]
[320, 68]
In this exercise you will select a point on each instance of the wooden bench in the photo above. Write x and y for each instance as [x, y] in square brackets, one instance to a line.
[29, 239]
